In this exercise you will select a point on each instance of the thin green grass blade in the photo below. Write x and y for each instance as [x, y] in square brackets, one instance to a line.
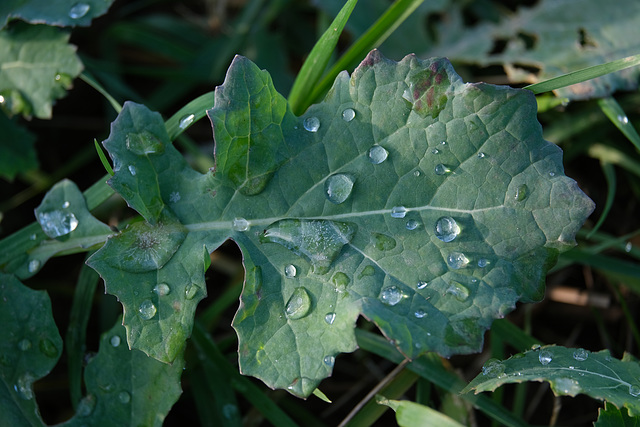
[316, 62]
[627, 314]
[374, 37]
[618, 117]
[610, 176]
[320, 395]
[202, 396]
[583, 75]
[513, 335]
[608, 154]
[87, 78]
[210, 316]
[103, 158]
[189, 114]
[604, 263]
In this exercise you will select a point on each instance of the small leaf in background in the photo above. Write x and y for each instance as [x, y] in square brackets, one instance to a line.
[30, 346]
[570, 371]
[62, 13]
[610, 416]
[17, 153]
[410, 414]
[38, 67]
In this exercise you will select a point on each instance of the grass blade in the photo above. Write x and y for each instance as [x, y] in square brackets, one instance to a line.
[608, 154]
[103, 158]
[610, 176]
[618, 117]
[317, 61]
[87, 78]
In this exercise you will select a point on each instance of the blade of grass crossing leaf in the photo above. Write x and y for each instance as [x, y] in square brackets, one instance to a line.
[618, 117]
[75, 339]
[604, 153]
[87, 78]
[610, 177]
[372, 38]
[584, 74]
[316, 62]
[103, 158]
[189, 114]
[430, 368]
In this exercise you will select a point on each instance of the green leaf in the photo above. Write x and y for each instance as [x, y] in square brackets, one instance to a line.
[30, 346]
[357, 207]
[38, 66]
[410, 414]
[610, 416]
[60, 12]
[126, 387]
[570, 371]
[17, 153]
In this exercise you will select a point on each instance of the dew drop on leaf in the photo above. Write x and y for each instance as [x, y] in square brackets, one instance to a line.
[79, 10]
[493, 368]
[545, 356]
[483, 262]
[23, 386]
[48, 348]
[435, 151]
[190, 291]
[398, 212]
[382, 242]
[330, 318]
[581, 354]
[420, 313]
[447, 229]
[312, 124]
[115, 341]
[623, 119]
[57, 223]
[290, 271]
[299, 304]
[457, 260]
[377, 154]
[132, 170]
[240, 224]
[340, 279]
[422, 284]
[124, 397]
[337, 188]
[329, 361]
[628, 247]
[458, 290]
[441, 169]
[162, 289]
[65, 205]
[144, 143]
[566, 385]
[412, 224]
[481, 155]
[24, 344]
[391, 295]
[186, 121]
[147, 310]
[634, 390]
[348, 114]
[86, 405]
[368, 270]
[34, 265]
[521, 193]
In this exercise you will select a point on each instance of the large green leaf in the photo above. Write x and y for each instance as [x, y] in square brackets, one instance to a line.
[30, 346]
[427, 205]
[37, 66]
[570, 371]
[58, 12]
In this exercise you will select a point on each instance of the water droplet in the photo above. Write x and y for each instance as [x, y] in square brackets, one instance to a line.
[483, 262]
[348, 114]
[398, 212]
[186, 121]
[566, 385]
[290, 271]
[57, 223]
[190, 291]
[312, 124]
[132, 170]
[337, 188]
[416, 173]
[481, 155]
[330, 318]
[420, 313]
[634, 390]
[378, 154]
[458, 290]
[23, 386]
[441, 169]
[79, 10]
[412, 224]
[552, 174]
[391, 295]
[443, 143]
[521, 193]
[628, 247]
[86, 405]
[422, 284]
[124, 397]
[162, 289]
[174, 197]
[581, 354]
[115, 340]
[147, 310]
[299, 304]
[144, 143]
[535, 347]
[65, 205]
[382, 242]
[447, 229]
[34, 265]
[623, 119]
[48, 348]
[24, 344]
[435, 151]
[340, 279]
[329, 361]
[493, 368]
[457, 260]
[240, 224]
[545, 356]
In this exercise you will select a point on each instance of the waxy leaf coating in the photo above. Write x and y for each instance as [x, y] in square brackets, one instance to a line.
[428, 205]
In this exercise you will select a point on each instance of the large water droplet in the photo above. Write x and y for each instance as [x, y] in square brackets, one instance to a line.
[330, 318]
[299, 304]
[398, 212]
[391, 295]
[240, 224]
[348, 114]
[190, 291]
[458, 290]
[447, 229]
[521, 193]
[337, 188]
[581, 354]
[545, 356]
[48, 348]
[144, 143]
[422, 284]
[420, 313]
[567, 386]
[79, 10]
[162, 289]
[493, 368]
[290, 271]
[124, 397]
[457, 260]
[115, 341]
[329, 361]
[57, 223]
[24, 344]
[34, 265]
[634, 390]
[147, 310]
[412, 224]
[312, 124]
[441, 169]
[132, 170]
[186, 121]
[23, 386]
[378, 154]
